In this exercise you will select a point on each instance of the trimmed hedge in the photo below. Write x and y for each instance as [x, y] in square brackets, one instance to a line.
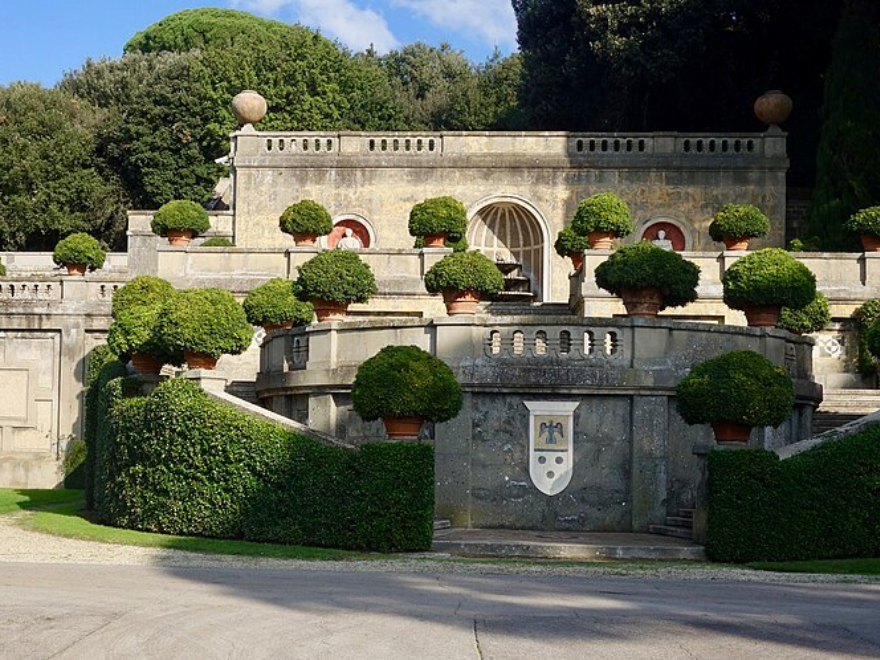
[276, 302]
[739, 386]
[102, 367]
[180, 215]
[465, 271]
[569, 242]
[768, 277]
[306, 217]
[647, 265]
[217, 241]
[178, 462]
[337, 276]
[79, 249]
[208, 321]
[811, 318]
[865, 317]
[405, 381]
[866, 221]
[603, 212]
[822, 504]
[739, 221]
[438, 215]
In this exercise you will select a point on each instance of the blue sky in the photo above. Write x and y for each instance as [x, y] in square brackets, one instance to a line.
[44, 38]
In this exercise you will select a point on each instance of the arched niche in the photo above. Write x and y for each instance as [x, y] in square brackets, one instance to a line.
[359, 225]
[680, 234]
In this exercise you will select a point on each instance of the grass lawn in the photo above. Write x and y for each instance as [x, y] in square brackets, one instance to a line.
[859, 566]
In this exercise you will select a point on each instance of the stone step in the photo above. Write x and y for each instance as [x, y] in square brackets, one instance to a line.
[680, 521]
[442, 524]
[825, 421]
[850, 401]
[244, 389]
[668, 530]
[686, 513]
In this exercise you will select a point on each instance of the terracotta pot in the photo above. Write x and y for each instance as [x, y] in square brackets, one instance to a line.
[731, 433]
[329, 310]
[248, 107]
[459, 303]
[147, 364]
[642, 303]
[402, 427]
[870, 243]
[600, 240]
[269, 327]
[773, 107]
[76, 269]
[179, 237]
[303, 240]
[762, 316]
[737, 244]
[577, 260]
[435, 240]
[199, 360]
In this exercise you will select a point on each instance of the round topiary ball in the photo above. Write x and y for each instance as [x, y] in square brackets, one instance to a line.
[770, 277]
[604, 212]
[180, 215]
[405, 381]
[336, 276]
[276, 302]
[141, 290]
[805, 320]
[645, 265]
[135, 332]
[465, 271]
[79, 249]
[207, 321]
[740, 386]
[438, 215]
[865, 221]
[739, 221]
[568, 242]
[306, 217]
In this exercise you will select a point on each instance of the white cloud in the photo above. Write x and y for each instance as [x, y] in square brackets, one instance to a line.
[492, 20]
[341, 19]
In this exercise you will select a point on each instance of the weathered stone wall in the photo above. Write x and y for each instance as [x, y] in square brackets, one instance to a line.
[634, 458]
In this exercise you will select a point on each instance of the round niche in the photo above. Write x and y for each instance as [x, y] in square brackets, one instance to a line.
[666, 235]
[358, 231]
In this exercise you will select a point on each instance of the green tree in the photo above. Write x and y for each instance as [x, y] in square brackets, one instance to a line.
[53, 181]
[848, 161]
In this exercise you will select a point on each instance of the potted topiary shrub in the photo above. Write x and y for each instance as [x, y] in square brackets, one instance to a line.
[334, 279]
[203, 324]
[735, 224]
[648, 278]
[805, 320]
[437, 219]
[734, 393]
[866, 223]
[765, 281]
[2, 269]
[217, 241]
[571, 244]
[140, 290]
[464, 278]
[275, 305]
[459, 244]
[135, 310]
[601, 218]
[79, 252]
[305, 221]
[179, 220]
[405, 386]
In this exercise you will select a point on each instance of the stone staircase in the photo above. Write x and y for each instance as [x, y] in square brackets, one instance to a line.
[680, 526]
[842, 406]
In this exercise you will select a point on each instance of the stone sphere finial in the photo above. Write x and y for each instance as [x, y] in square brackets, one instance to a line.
[248, 107]
[773, 107]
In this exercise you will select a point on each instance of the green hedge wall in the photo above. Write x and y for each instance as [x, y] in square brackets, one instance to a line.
[178, 462]
[822, 504]
[102, 367]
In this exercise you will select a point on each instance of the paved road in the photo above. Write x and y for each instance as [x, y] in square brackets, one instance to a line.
[88, 611]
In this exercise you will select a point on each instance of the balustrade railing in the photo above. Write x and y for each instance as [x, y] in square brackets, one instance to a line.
[574, 343]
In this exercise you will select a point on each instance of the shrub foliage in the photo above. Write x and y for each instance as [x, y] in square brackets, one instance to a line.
[865, 317]
[811, 318]
[306, 217]
[822, 504]
[647, 265]
[79, 249]
[465, 271]
[217, 241]
[180, 215]
[338, 276]
[739, 221]
[178, 462]
[603, 212]
[141, 290]
[276, 301]
[438, 215]
[568, 242]
[768, 277]
[207, 321]
[740, 386]
[405, 381]
[866, 221]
